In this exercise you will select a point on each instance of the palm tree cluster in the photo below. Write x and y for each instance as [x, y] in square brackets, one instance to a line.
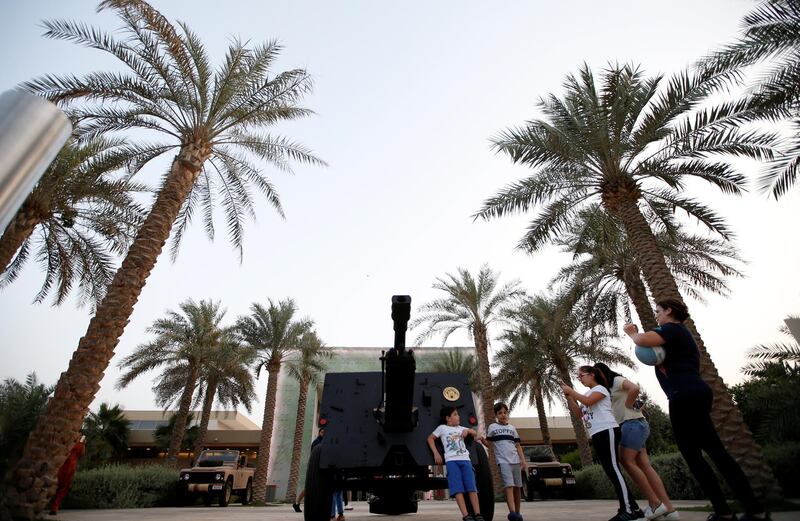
[204, 362]
[213, 120]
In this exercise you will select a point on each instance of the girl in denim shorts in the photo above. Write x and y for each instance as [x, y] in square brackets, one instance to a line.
[635, 431]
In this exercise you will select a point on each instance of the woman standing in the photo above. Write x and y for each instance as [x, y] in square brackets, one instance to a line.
[594, 406]
[634, 431]
[690, 411]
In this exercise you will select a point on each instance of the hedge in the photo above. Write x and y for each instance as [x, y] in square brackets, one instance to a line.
[592, 483]
[123, 486]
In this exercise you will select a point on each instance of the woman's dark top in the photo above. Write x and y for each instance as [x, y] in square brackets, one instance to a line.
[679, 374]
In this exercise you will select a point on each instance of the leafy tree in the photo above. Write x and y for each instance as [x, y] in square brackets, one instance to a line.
[164, 434]
[305, 367]
[549, 342]
[273, 333]
[472, 305]
[769, 400]
[227, 379]
[631, 142]
[77, 217]
[455, 361]
[184, 344]
[107, 432]
[20, 407]
[213, 121]
[605, 273]
[770, 40]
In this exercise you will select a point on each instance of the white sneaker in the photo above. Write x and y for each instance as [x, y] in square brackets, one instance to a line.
[671, 516]
[652, 513]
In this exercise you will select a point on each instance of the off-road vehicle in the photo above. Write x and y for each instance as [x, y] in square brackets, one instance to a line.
[218, 474]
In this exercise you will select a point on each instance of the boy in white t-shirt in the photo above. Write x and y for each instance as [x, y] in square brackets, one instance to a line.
[460, 476]
[510, 458]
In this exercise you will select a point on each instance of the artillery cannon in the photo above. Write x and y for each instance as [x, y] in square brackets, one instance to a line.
[376, 427]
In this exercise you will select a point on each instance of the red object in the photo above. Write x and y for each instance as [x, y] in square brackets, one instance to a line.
[473, 420]
[66, 473]
[323, 421]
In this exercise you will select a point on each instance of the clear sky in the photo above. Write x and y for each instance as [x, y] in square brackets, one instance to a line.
[407, 96]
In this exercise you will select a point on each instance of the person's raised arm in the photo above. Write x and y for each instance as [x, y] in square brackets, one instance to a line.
[647, 339]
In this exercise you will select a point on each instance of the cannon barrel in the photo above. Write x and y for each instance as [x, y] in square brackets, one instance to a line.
[400, 370]
[32, 131]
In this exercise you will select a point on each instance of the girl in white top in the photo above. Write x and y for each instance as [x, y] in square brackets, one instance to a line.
[594, 406]
[634, 433]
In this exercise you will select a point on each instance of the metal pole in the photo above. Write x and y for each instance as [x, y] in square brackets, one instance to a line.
[32, 131]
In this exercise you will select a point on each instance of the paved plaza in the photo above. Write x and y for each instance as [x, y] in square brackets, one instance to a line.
[579, 510]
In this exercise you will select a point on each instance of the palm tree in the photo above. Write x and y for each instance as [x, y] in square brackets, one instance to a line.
[184, 345]
[212, 119]
[227, 379]
[605, 272]
[524, 370]
[107, 432]
[75, 219]
[273, 333]
[786, 354]
[771, 36]
[455, 361]
[163, 433]
[306, 369]
[630, 143]
[20, 407]
[472, 305]
[550, 339]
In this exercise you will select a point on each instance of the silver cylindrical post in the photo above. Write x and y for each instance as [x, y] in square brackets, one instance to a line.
[32, 131]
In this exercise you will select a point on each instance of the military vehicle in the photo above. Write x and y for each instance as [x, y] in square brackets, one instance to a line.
[376, 429]
[546, 477]
[218, 474]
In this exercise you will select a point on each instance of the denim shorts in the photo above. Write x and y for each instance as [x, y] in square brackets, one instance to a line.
[634, 434]
[460, 477]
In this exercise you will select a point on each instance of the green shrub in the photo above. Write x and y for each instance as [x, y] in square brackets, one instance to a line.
[573, 458]
[785, 462]
[123, 486]
[591, 482]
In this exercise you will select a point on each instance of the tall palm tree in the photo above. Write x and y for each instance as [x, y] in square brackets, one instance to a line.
[770, 39]
[631, 142]
[107, 432]
[76, 218]
[227, 379]
[184, 345]
[524, 370]
[306, 367]
[162, 435]
[212, 120]
[605, 272]
[273, 333]
[473, 305]
[549, 342]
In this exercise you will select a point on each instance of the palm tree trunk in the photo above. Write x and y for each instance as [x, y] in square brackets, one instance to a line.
[32, 481]
[725, 414]
[264, 445]
[638, 295]
[179, 429]
[299, 426]
[18, 230]
[581, 437]
[487, 393]
[208, 402]
[543, 425]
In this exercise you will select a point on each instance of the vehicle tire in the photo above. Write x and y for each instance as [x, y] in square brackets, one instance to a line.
[227, 492]
[186, 498]
[247, 495]
[319, 493]
[483, 481]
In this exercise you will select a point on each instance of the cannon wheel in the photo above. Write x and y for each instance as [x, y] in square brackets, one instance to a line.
[318, 490]
[483, 480]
